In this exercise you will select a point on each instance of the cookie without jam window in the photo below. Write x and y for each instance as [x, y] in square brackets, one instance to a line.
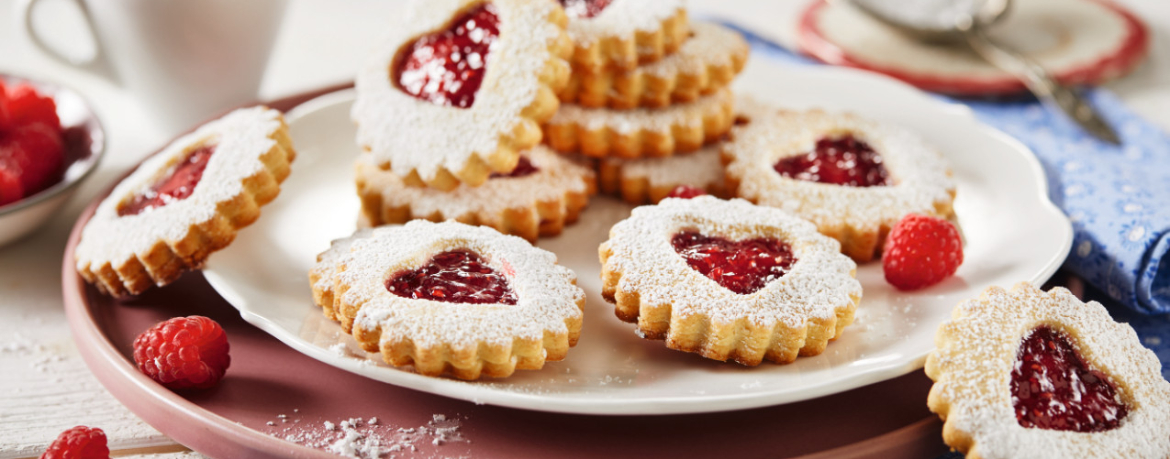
[707, 61]
[185, 202]
[488, 71]
[642, 132]
[854, 178]
[649, 180]
[1024, 373]
[448, 298]
[729, 280]
[621, 34]
[537, 199]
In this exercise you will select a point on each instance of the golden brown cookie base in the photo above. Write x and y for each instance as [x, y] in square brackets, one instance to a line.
[624, 52]
[689, 132]
[165, 261]
[741, 341]
[626, 89]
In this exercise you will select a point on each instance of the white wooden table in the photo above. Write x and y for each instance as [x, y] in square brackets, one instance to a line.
[45, 388]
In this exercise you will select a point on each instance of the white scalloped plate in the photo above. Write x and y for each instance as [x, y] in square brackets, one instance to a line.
[1014, 233]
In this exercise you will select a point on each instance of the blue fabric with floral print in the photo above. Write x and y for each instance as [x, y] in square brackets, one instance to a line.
[1118, 198]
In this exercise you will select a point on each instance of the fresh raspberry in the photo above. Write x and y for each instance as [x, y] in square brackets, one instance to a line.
[27, 106]
[5, 118]
[685, 192]
[80, 442]
[10, 188]
[183, 352]
[921, 251]
[35, 153]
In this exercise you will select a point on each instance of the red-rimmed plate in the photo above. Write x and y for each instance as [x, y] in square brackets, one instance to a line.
[1082, 42]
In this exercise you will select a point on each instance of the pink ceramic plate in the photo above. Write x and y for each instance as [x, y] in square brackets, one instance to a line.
[275, 400]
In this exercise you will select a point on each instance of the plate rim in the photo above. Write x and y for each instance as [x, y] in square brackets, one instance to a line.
[1119, 62]
[470, 391]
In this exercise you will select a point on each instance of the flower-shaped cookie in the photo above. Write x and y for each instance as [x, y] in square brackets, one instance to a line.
[853, 177]
[729, 280]
[185, 202]
[603, 132]
[544, 193]
[461, 87]
[451, 298]
[709, 60]
[1032, 374]
[622, 33]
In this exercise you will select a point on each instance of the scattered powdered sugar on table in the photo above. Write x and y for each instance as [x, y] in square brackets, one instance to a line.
[373, 438]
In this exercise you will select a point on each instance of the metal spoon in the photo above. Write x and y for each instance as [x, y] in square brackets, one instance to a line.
[969, 26]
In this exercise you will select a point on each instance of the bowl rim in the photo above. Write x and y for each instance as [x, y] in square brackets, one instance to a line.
[96, 154]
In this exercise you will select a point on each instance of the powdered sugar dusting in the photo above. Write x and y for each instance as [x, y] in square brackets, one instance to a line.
[702, 169]
[977, 351]
[546, 291]
[711, 45]
[240, 138]
[371, 439]
[624, 18]
[412, 134]
[922, 180]
[555, 176]
[818, 284]
[662, 120]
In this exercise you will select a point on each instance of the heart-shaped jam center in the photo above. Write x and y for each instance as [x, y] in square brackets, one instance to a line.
[177, 185]
[584, 9]
[1053, 388]
[523, 168]
[843, 161]
[740, 266]
[454, 276]
[447, 67]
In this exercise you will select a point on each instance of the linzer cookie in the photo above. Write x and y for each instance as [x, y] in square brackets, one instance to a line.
[853, 177]
[451, 298]
[649, 180]
[729, 280]
[707, 61]
[538, 198]
[1027, 373]
[622, 33]
[185, 202]
[461, 87]
[602, 132]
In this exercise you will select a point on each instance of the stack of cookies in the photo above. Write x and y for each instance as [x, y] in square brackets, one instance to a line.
[449, 113]
[648, 96]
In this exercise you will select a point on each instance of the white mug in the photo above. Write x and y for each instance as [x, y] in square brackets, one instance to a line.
[186, 60]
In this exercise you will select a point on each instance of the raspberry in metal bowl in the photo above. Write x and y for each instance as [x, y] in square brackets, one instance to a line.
[34, 186]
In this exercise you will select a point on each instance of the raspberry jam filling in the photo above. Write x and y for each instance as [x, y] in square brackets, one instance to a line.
[1054, 389]
[685, 192]
[584, 9]
[740, 266]
[843, 161]
[176, 186]
[447, 67]
[454, 276]
[523, 168]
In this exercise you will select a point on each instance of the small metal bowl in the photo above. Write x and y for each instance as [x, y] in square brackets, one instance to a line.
[85, 144]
